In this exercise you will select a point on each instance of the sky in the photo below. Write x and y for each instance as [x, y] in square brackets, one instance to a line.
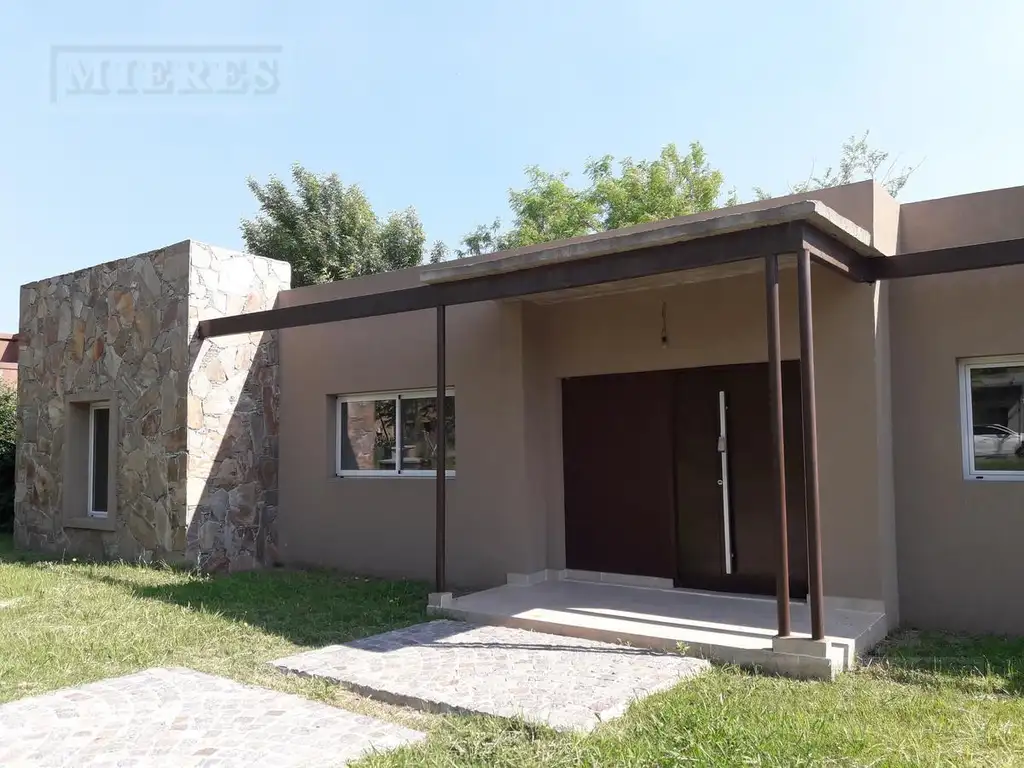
[440, 105]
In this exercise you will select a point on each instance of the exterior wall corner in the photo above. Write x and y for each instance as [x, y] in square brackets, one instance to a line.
[231, 411]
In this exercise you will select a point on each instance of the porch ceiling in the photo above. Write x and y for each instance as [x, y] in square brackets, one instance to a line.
[656, 282]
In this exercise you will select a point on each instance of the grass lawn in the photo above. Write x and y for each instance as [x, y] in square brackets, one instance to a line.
[924, 699]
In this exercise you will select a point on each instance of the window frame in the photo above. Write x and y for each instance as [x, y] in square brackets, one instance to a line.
[396, 396]
[90, 512]
[967, 426]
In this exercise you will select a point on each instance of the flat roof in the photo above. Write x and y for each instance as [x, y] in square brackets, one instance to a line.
[668, 232]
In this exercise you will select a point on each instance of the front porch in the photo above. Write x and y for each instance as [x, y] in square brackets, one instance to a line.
[732, 629]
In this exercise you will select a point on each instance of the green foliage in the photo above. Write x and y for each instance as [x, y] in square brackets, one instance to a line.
[616, 195]
[550, 209]
[857, 161]
[328, 231]
[8, 446]
[438, 252]
[486, 238]
[641, 191]
[653, 190]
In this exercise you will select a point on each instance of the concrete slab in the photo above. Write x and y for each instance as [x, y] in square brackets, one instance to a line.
[177, 717]
[450, 666]
[734, 629]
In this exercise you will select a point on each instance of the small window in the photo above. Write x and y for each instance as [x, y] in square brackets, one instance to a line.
[393, 434]
[992, 391]
[99, 459]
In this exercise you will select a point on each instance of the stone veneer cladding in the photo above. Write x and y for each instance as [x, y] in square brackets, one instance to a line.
[195, 468]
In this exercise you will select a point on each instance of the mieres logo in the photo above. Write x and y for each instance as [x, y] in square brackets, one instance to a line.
[79, 72]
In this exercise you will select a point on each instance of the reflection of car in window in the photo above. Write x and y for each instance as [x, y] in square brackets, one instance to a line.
[994, 440]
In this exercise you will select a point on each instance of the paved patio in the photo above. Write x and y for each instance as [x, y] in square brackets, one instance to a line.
[451, 666]
[177, 717]
[734, 629]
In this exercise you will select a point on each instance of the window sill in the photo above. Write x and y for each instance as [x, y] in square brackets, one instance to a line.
[991, 478]
[91, 523]
[371, 474]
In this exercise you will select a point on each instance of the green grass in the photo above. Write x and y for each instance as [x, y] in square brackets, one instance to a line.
[923, 699]
[70, 622]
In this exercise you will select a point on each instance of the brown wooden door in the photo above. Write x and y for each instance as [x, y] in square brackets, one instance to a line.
[617, 443]
[751, 518]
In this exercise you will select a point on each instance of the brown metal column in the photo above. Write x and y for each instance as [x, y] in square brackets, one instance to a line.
[778, 452]
[442, 438]
[810, 420]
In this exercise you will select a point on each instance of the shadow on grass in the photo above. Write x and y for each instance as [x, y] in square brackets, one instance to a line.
[974, 664]
[308, 608]
[9, 554]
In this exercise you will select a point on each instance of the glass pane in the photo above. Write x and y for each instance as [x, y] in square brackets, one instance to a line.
[100, 458]
[368, 434]
[997, 410]
[419, 433]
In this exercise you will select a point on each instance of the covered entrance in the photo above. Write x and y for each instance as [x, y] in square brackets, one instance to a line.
[669, 474]
[669, 465]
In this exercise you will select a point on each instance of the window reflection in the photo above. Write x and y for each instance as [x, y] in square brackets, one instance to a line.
[367, 434]
[419, 433]
[997, 417]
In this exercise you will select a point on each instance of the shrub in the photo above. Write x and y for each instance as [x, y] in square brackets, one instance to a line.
[8, 444]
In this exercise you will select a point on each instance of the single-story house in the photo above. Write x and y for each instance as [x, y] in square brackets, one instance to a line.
[654, 404]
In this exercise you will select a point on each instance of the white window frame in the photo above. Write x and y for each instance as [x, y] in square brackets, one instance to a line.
[99, 406]
[411, 394]
[967, 418]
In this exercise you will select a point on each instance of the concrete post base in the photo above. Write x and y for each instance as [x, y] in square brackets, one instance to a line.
[807, 659]
[802, 646]
[438, 602]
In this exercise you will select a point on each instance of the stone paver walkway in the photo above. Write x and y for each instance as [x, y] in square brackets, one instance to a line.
[177, 717]
[444, 665]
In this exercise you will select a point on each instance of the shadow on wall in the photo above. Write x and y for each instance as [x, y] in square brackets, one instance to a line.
[232, 492]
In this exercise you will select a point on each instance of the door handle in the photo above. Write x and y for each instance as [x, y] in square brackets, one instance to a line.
[723, 481]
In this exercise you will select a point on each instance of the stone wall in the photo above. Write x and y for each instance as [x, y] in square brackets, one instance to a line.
[119, 327]
[195, 423]
[232, 408]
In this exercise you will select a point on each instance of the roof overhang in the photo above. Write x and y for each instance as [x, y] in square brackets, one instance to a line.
[636, 253]
[673, 231]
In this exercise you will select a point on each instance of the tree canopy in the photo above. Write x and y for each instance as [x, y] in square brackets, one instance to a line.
[619, 194]
[328, 231]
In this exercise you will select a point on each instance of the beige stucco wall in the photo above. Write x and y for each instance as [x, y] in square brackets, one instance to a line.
[723, 322]
[506, 361]
[958, 540]
[385, 526]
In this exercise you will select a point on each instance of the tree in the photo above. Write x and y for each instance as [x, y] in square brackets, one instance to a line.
[637, 192]
[328, 231]
[653, 190]
[438, 252]
[8, 446]
[486, 238]
[617, 195]
[857, 161]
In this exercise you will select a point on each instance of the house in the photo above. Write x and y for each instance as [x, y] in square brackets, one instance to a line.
[650, 406]
[9, 358]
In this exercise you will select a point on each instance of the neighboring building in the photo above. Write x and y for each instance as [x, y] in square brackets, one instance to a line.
[9, 358]
[621, 426]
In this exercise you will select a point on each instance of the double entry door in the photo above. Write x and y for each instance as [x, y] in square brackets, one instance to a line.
[670, 474]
